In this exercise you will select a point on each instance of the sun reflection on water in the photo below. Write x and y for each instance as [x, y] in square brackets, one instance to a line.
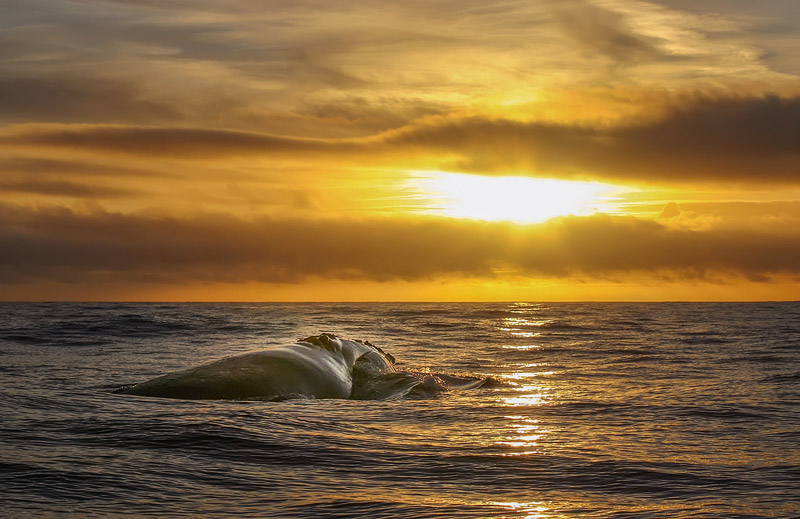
[525, 335]
[531, 509]
[523, 327]
[526, 389]
[524, 375]
[534, 398]
[524, 433]
[522, 347]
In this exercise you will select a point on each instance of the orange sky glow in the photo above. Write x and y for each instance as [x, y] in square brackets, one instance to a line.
[399, 151]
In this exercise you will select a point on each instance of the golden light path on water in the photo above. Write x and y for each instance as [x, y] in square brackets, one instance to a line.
[523, 433]
[528, 433]
[517, 199]
[531, 510]
[526, 377]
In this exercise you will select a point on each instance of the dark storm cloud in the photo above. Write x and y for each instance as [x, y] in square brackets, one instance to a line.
[61, 245]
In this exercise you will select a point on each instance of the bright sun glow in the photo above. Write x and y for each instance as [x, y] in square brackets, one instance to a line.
[517, 199]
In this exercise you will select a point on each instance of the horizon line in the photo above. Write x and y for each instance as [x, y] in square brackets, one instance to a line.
[606, 301]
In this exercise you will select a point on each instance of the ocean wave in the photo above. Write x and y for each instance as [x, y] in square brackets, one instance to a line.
[783, 377]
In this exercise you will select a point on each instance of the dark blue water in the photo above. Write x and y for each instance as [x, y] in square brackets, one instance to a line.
[605, 410]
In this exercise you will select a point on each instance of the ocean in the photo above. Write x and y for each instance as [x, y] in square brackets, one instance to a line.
[587, 410]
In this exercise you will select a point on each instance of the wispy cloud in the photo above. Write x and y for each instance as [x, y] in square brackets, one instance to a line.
[248, 67]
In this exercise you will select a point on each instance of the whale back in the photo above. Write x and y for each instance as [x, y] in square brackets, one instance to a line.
[320, 367]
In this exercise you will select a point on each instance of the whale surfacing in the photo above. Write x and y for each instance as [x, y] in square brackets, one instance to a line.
[321, 366]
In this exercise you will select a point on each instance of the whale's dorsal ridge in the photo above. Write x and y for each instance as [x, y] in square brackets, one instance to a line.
[388, 356]
[324, 340]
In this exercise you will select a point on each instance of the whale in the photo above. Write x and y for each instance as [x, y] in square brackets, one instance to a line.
[322, 366]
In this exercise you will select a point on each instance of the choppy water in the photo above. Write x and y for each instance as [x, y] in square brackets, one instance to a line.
[607, 410]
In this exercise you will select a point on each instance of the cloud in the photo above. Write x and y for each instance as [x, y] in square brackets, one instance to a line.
[57, 244]
[603, 33]
[741, 139]
[62, 188]
[162, 142]
[702, 140]
[29, 166]
[65, 99]
[671, 210]
[241, 66]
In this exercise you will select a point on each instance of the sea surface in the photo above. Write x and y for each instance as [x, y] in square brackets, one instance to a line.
[594, 410]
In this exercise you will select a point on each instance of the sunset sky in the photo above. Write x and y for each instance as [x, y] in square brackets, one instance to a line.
[456, 150]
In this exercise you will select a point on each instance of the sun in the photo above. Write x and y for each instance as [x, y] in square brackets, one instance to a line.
[505, 198]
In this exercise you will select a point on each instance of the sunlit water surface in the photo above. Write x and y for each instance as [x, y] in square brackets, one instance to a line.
[605, 410]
